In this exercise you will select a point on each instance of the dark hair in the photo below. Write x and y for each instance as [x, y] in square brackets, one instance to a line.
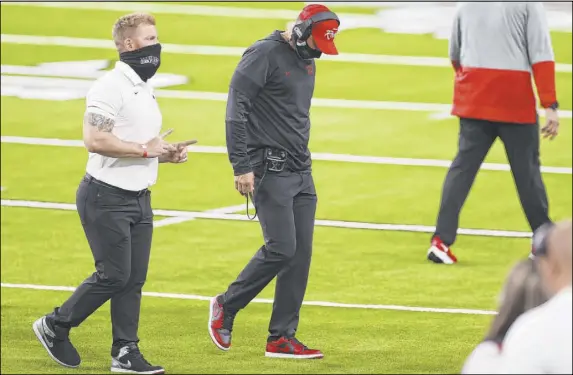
[523, 290]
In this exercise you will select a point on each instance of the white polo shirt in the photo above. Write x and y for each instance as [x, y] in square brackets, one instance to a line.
[120, 94]
[540, 340]
[484, 359]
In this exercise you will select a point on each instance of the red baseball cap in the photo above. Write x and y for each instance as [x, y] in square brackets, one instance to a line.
[323, 32]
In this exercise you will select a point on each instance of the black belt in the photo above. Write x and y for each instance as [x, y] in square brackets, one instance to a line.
[139, 193]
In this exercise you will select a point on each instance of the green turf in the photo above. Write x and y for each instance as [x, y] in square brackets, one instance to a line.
[388, 342]
[175, 28]
[348, 131]
[333, 79]
[356, 192]
[290, 5]
[384, 275]
[201, 257]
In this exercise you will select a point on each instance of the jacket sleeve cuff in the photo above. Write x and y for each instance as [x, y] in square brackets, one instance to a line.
[242, 169]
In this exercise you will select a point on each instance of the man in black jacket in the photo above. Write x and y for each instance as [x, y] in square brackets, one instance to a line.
[268, 129]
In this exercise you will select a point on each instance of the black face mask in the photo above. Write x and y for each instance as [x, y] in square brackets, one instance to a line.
[303, 50]
[144, 61]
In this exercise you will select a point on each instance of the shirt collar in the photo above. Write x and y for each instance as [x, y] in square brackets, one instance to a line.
[128, 72]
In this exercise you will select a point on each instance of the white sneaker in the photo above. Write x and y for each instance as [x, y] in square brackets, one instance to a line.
[440, 252]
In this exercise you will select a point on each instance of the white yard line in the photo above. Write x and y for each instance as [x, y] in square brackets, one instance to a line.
[170, 221]
[236, 51]
[323, 223]
[233, 209]
[269, 301]
[316, 156]
[222, 210]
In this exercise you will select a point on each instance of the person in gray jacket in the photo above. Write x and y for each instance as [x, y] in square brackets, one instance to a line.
[494, 48]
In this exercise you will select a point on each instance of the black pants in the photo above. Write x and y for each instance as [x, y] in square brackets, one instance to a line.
[286, 207]
[118, 225]
[476, 137]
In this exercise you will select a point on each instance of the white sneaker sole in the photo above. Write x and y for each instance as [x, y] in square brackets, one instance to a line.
[128, 371]
[213, 300]
[36, 326]
[440, 255]
[293, 356]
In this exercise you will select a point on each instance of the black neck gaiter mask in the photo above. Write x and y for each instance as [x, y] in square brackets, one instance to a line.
[302, 48]
[144, 61]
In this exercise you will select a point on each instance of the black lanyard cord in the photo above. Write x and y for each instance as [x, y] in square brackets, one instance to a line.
[252, 199]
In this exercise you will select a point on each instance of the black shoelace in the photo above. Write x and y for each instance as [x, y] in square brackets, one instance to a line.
[228, 320]
[296, 341]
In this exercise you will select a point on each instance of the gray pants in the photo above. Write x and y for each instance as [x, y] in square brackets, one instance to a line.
[476, 137]
[118, 226]
[286, 207]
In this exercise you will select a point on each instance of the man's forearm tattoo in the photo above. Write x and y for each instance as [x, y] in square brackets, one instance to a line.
[102, 123]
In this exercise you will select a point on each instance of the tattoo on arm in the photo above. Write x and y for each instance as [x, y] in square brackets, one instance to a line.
[102, 123]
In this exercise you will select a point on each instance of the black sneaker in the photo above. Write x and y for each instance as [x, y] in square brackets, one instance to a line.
[128, 359]
[56, 341]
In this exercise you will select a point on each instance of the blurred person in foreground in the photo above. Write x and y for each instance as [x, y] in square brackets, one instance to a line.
[121, 130]
[523, 290]
[541, 340]
[268, 129]
[494, 48]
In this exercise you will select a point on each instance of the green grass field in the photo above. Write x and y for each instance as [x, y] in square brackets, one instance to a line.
[200, 257]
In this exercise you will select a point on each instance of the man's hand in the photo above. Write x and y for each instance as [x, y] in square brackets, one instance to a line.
[551, 128]
[180, 153]
[158, 147]
[245, 183]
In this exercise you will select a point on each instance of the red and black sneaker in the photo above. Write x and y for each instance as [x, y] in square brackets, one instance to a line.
[291, 348]
[220, 323]
[440, 252]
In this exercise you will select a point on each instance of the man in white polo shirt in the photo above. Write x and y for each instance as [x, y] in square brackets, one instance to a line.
[122, 123]
[540, 341]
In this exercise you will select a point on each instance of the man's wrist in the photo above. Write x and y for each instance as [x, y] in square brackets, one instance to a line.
[242, 171]
[554, 106]
[144, 150]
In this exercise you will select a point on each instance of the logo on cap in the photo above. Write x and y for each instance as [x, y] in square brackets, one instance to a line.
[329, 34]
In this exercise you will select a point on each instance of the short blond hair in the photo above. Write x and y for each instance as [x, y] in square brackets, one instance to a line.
[126, 25]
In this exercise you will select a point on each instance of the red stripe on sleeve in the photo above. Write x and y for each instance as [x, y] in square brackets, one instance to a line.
[544, 76]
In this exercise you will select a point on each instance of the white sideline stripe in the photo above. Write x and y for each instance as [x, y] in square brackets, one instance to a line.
[65, 41]
[170, 220]
[268, 301]
[231, 209]
[222, 210]
[323, 223]
[316, 156]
